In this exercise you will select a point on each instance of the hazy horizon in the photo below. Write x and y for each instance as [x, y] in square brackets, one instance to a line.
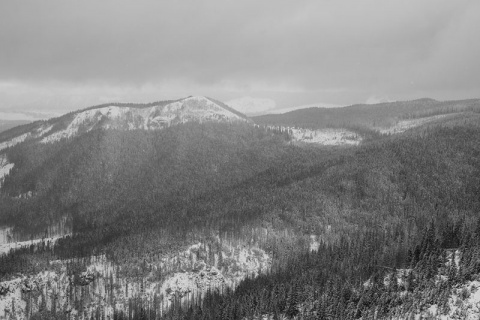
[265, 56]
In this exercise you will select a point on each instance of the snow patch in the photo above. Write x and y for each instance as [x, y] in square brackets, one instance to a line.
[6, 247]
[190, 272]
[5, 168]
[85, 119]
[190, 284]
[212, 271]
[5, 234]
[400, 277]
[327, 137]
[314, 244]
[405, 125]
[463, 303]
[453, 256]
[14, 141]
[43, 130]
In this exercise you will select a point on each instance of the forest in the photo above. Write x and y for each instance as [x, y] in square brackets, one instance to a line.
[368, 116]
[397, 204]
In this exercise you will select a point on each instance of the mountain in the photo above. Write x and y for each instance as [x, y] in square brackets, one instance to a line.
[126, 146]
[116, 172]
[187, 209]
[10, 118]
[126, 117]
[384, 117]
[8, 124]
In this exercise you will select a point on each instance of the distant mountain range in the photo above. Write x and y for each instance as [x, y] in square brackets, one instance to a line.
[372, 116]
[382, 117]
[8, 124]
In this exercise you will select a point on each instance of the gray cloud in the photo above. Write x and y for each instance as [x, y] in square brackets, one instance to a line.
[295, 52]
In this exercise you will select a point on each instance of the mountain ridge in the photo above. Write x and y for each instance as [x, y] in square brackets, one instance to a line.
[128, 218]
[150, 116]
[371, 116]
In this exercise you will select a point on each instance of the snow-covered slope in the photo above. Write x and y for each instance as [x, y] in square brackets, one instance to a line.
[404, 125]
[198, 109]
[185, 275]
[5, 168]
[6, 247]
[124, 117]
[327, 137]
[14, 141]
[324, 137]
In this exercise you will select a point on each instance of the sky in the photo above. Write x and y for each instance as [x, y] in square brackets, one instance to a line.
[259, 56]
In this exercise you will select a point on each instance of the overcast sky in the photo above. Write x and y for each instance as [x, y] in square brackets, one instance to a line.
[60, 55]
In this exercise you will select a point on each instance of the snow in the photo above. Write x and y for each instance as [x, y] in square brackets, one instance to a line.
[327, 137]
[43, 130]
[463, 303]
[5, 234]
[194, 273]
[5, 169]
[38, 133]
[85, 118]
[189, 284]
[157, 117]
[405, 125]
[14, 141]
[401, 275]
[453, 255]
[6, 247]
[433, 310]
[314, 244]
[12, 297]
[200, 109]
[237, 264]
[13, 306]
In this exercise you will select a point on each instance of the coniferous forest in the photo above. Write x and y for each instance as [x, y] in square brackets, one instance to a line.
[267, 227]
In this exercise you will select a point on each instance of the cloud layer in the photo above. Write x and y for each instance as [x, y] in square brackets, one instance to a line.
[250, 106]
[295, 52]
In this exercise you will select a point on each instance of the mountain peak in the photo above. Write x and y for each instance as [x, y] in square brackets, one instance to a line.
[121, 116]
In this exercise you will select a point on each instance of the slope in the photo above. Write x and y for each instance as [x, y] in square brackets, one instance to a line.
[104, 174]
[8, 124]
[380, 116]
[398, 203]
[135, 196]
[122, 116]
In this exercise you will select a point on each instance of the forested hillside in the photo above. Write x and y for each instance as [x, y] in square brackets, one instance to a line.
[229, 220]
[102, 175]
[382, 115]
[8, 124]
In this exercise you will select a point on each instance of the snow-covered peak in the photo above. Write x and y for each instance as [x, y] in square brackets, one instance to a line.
[152, 116]
[159, 116]
[199, 108]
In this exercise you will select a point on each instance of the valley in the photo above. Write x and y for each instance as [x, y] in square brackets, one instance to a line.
[187, 209]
